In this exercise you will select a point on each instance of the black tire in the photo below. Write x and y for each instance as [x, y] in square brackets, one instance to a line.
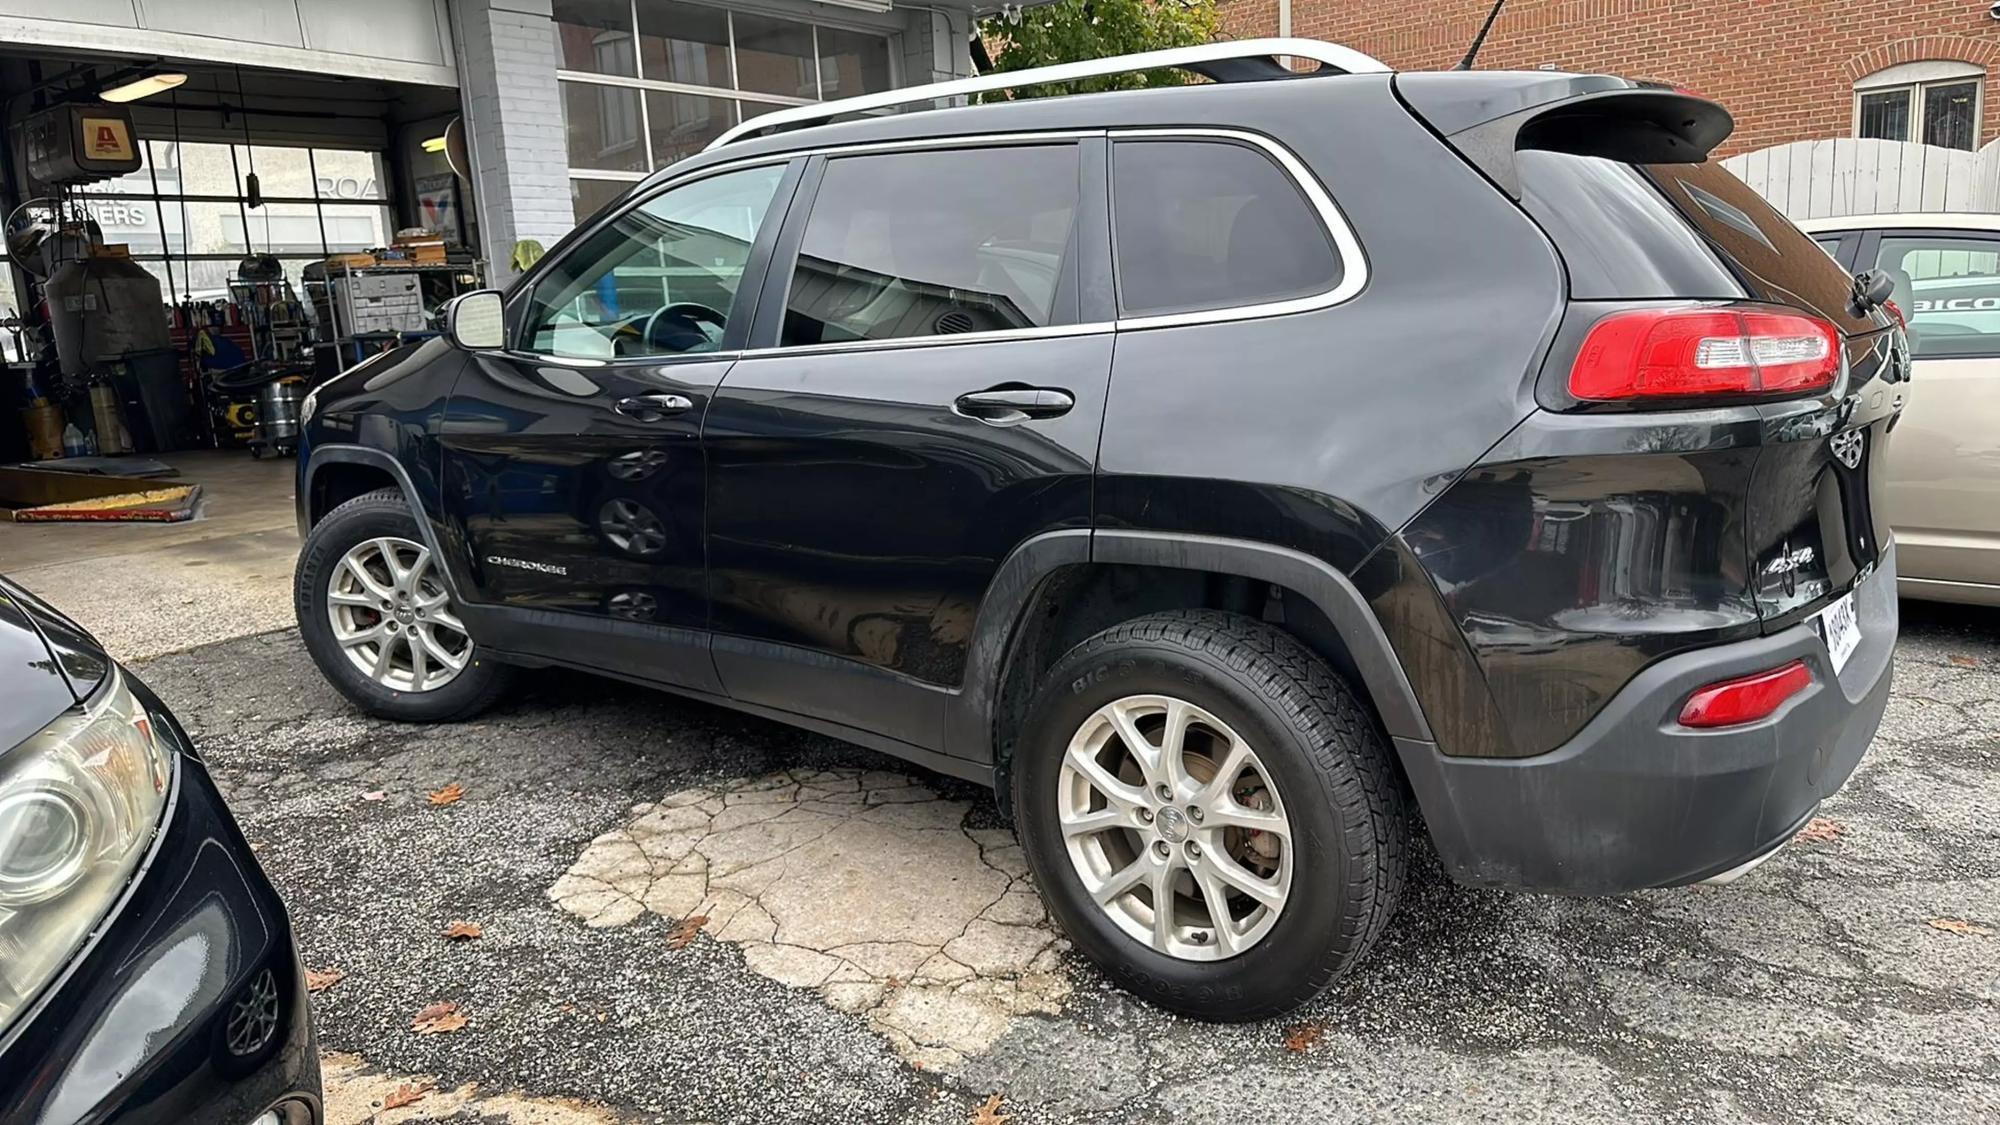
[379, 513]
[1319, 745]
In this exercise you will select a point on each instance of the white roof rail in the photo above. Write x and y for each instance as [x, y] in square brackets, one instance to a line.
[1203, 58]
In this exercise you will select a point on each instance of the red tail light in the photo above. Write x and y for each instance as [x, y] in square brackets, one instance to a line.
[1745, 700]
[1679, 353]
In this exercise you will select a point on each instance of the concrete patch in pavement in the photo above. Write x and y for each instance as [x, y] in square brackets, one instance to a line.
[354, 1094]
[862, 885]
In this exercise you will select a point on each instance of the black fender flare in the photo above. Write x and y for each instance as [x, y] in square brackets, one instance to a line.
[970, 714]
[346, 454]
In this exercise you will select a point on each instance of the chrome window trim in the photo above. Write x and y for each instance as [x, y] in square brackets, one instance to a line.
[995, 336]
[1353, 262]
[1333, 55]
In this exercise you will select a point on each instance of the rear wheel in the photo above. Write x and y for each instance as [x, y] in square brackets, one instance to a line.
[1210, 813]
[380, 623]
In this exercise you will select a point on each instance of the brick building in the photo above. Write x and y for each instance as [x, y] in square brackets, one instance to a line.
[1912, 70]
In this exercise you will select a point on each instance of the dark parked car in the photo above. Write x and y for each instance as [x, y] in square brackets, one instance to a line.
[1221, 472]
[147, 972]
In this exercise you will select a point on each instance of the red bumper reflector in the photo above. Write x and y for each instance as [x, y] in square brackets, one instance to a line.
[1746, 699]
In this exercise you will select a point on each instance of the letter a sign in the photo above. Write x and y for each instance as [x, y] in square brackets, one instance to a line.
[108, 138]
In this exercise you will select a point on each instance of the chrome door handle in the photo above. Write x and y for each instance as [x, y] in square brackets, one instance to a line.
[652, 408]
[1009, 405]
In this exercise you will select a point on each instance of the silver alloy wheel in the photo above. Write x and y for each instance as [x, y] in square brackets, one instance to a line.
[1175, 827]
[392, 616]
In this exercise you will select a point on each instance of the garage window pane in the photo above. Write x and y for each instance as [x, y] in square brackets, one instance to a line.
[603, 127]
[134, 223]
[683, 124]
[684, 43]
[852, 63]
[588, 197]
[280, 171]
[347, 174]
[594, 36]
[285, 228]
[356, 226]
[207, 169]
[775, 57]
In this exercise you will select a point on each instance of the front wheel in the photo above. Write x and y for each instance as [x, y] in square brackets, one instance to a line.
[1210, 813]
[378, 620]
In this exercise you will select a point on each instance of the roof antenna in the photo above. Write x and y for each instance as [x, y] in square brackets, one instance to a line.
[1479, 39]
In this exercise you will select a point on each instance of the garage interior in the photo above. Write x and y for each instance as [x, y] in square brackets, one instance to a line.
[192, 246]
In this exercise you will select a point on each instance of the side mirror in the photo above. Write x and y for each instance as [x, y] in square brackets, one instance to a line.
[1873, 288]
[476, 321]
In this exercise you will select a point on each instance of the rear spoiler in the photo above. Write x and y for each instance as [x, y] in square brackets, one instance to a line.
[1488, 116]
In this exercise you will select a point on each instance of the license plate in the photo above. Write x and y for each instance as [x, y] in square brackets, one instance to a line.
[1842, 630]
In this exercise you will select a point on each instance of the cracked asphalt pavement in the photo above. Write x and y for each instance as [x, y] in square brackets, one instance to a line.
[871, 955]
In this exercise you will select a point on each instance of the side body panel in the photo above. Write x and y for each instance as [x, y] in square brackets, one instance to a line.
[1944, 475]
[858, 514]
[566, 502]
[1357, 416]
[386, 412]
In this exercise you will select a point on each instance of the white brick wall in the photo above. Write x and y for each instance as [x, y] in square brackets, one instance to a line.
[514, 117]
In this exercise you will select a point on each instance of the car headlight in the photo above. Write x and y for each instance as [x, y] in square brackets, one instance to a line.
[79, 803]
[309, 407]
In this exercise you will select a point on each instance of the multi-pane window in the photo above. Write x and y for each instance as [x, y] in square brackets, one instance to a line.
[1933, 103]
[647, 82]
[184, 217]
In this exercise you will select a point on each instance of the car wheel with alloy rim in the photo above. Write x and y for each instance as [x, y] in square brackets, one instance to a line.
[377, 615]
[1210, 813]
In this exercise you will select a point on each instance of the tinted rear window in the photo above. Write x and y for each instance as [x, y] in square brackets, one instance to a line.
[1212, 224]
[1677, 230]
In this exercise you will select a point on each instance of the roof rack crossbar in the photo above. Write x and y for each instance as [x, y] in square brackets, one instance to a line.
[1237, 61]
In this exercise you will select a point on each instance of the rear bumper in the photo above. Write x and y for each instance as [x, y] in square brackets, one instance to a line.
[1634, 800]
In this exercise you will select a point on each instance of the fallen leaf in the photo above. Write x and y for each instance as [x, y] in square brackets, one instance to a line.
[403, 1095]
[682, 935]
[449, 795]
[988, 1112]
[439, 1017]
[319, 980]
[1961, 926]
[892, 982]
[1965, 661]
[1822, 830]
[462, 931]
[1302, 1037]
[376, 795]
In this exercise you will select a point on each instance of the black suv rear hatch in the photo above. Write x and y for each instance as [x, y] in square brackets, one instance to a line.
[1625, 191]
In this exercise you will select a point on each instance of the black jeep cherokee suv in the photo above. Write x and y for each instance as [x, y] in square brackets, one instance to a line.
[1223, 471]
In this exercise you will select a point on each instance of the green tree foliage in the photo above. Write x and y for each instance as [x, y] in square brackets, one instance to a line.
[1075, 30]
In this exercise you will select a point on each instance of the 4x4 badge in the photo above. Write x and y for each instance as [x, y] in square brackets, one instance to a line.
[1847, 445]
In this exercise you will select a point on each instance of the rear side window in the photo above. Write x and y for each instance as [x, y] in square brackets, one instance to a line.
[1949, 289]
[1677, 230]
[1212, 224]
[934, 243]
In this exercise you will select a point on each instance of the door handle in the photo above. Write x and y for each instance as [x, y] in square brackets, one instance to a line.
[653, 407]
[1007, 406]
